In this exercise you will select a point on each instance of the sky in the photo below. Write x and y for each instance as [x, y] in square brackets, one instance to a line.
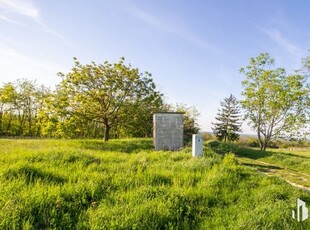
[194, 49]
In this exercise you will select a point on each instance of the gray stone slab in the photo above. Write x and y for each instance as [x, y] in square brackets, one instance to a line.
[168, 131]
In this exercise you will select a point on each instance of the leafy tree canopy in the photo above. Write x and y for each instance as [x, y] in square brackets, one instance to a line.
[106, 93]
[275, 103]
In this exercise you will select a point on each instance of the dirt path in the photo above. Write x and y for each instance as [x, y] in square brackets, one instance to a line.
[295, 178]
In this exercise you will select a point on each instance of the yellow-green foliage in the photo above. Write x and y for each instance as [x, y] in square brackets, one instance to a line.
[124, 184]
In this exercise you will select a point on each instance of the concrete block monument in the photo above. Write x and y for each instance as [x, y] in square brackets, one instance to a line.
[197, 145]
[168, 131]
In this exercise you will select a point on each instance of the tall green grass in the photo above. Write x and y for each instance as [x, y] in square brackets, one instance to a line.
[124, 184]
[294, 159]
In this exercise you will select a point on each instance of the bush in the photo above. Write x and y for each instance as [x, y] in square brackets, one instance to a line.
[208, 136]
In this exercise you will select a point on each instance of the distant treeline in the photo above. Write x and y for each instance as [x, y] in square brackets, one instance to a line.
[27, 109]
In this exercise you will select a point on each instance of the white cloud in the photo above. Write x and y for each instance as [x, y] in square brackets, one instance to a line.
[9, 20]
[14, 64]
[51, 31]
[182, 32]
[283, 42]
[6, 19]
[149, 19]
[28, 9]
[23, 7]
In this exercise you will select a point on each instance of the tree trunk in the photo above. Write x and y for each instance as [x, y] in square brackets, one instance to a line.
[264, 146]
[259, 139]
[30, 126]
[1, 115]
[9, 124]
[106, 130]
[267, 139]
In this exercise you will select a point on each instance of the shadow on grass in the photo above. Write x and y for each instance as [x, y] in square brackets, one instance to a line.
[255, 154]
[124, 146]
[259, 166]
[223, 148]
[294, 155]
[252, 153]
[32, 174]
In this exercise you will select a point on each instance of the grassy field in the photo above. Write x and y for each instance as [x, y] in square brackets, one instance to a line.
[293, 165]
[124, 184]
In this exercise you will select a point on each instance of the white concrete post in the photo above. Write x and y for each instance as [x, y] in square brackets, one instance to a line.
[197, 145]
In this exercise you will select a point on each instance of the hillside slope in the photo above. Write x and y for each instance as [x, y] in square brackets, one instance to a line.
[124, 184]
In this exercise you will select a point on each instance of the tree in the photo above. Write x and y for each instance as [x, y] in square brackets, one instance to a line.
[305, 71]
[274, 102]
[8, 95]
[229, 120]
[190, 117]
[140, 123]
[106, 93]
[26, 106]
[20, 103]
[42, 97]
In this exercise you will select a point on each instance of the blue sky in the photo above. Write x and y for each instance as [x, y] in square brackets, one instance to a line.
[194, 49]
